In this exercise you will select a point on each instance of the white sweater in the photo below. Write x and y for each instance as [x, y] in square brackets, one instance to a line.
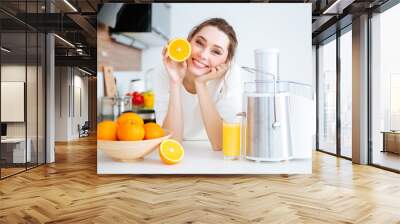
[227, 94]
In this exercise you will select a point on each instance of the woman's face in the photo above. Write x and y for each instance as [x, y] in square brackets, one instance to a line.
[209, 49]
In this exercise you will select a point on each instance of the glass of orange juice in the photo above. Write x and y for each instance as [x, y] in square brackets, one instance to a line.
[231, 139]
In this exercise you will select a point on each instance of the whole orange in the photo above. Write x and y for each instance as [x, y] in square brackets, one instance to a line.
[152, 130]
[130, 131]
[107, 130]
[130, 116]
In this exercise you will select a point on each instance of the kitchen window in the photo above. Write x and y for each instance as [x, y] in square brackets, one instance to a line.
[327, 96]
[385, 89]
[346, 92]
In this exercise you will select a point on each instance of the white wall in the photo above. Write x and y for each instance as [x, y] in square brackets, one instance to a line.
[257, 25]
[68, 85]
[61, 103]
[79, 117]
[14, 73]
[17, 73]
[260, 25]
[33, 127]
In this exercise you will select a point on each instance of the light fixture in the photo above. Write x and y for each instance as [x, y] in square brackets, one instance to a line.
[5, 50]
[84, 71]
[79, 51]
[70, 5]
[337, 7]
[64, 40]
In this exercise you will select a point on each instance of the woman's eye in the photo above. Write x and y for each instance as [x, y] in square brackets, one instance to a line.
[216, 52]
[198, 42]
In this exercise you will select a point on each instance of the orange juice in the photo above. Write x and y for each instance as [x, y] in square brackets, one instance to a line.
[231, 140]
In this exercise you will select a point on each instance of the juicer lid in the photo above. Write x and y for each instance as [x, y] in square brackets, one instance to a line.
[266, 50]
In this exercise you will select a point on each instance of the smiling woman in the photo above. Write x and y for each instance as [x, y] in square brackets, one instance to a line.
[202, 90]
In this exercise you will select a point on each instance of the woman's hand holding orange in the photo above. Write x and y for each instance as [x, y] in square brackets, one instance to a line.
[176, 70]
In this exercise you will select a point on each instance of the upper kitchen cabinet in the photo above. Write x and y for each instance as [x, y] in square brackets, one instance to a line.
[141, 25]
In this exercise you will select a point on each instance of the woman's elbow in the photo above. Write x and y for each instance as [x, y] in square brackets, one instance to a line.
[177, 138]
[217, 147]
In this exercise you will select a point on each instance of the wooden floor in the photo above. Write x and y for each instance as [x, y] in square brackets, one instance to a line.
[387, 159]
[70, 191]
[10, 171]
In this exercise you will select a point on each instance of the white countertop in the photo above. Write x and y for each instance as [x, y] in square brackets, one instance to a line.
[200, 159]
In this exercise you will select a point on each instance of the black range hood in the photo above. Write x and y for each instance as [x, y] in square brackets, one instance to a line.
[145, 23]
[133, 18]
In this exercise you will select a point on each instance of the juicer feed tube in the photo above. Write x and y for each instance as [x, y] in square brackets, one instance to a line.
[252, 70]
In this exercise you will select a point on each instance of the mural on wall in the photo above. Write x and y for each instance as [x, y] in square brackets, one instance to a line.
[178, 114]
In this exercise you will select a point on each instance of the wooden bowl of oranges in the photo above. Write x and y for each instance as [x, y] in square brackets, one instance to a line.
[128, 139]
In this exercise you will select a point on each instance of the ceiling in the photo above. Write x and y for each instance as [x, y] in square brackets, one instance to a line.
[329, 16]
[75, 21]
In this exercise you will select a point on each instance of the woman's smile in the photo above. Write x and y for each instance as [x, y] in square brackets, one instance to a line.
[199, 64]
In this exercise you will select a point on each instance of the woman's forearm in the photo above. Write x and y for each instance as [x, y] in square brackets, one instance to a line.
[211, 118]
[174, 119]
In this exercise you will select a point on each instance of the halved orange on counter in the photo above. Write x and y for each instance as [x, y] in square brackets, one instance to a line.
[179, 49]
[171, 151]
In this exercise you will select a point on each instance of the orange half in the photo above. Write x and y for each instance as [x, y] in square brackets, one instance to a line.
[179, 49]
[171, 151]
